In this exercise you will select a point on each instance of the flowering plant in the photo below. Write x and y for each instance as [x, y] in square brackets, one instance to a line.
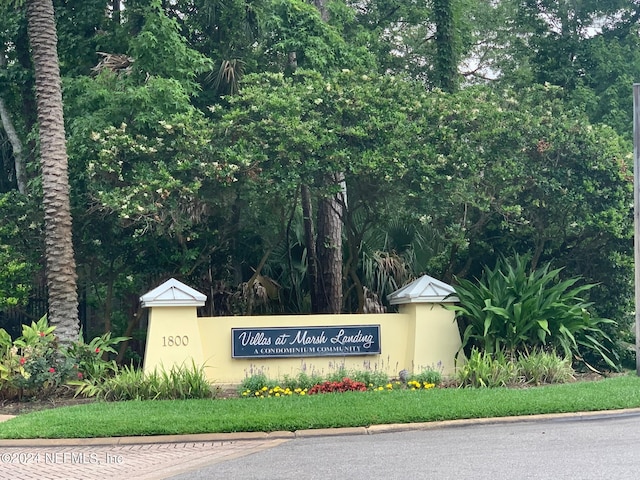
[259, 386]
[346, 385]
[277, 391]
[92, 358]
[416, 385]
[32, 365]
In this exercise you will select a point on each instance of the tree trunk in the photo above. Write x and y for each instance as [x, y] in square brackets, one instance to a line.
[12, 135]
[115, 7]
[27, 87]
[330, 223]
[329, 250]
[309, 240]
[61, 268]
[321, 5]
[446, 59]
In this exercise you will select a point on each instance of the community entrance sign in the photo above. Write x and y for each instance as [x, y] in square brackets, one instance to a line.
[336, 341]
[423, 334]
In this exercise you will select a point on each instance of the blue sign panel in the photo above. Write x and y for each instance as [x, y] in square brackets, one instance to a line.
[274, 342]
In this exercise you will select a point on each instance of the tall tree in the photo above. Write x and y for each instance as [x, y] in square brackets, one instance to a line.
[61, 267]
[446, 57]
[328, 248]
[588, 47]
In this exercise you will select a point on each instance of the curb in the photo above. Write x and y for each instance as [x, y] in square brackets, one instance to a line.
[315, 433]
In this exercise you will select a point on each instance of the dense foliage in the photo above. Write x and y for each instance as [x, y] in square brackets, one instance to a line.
[34, 365]
[511, 310]
[203, 136]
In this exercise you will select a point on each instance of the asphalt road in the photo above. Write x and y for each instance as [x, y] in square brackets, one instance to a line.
[589, 448]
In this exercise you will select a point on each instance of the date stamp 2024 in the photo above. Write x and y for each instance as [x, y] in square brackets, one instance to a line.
[60, 458]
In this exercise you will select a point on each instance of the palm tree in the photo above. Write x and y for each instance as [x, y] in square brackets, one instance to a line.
[61, 268]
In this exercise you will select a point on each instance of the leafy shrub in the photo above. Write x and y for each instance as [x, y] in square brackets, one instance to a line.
[337, 375]
[540, 367]
[486, 370]
[301, 381]
[128, 383]
[33, 365]
[92, 358]
[499, 370]
[427, 376]
[179, 383]
[256, 382]
[370, 377]
[510, 310]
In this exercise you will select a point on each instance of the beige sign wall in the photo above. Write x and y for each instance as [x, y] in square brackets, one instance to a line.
[421, 336]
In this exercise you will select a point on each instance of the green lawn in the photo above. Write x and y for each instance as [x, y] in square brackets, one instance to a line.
[102, 419]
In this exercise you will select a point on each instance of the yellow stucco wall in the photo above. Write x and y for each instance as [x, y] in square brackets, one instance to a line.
[173, 338]
[420, 336]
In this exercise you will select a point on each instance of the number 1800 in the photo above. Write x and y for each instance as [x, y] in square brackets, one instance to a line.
[175, 341]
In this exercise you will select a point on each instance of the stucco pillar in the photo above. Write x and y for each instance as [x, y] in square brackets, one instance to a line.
[434, 338]
[173, 336]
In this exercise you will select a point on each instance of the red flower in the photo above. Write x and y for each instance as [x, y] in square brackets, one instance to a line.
[80, 375]
[23, 360]
[52, 370]
[41, 334]
[97, 350]
[345, 385]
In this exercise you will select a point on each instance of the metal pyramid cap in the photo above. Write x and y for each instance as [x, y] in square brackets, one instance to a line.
[173, 293]
[425, 289]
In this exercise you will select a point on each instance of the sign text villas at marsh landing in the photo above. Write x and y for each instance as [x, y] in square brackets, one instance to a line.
[305, 341]
[422, 335]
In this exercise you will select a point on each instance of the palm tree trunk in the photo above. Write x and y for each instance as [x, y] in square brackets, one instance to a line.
[61, 268]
